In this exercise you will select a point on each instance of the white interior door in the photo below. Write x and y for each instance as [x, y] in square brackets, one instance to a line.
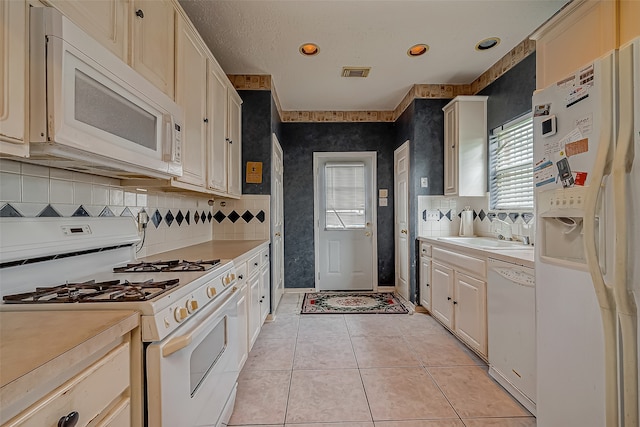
[277, 225]
[345, 221]
[401, 228]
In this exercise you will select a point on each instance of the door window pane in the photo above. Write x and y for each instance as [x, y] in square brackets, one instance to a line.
[345, 196]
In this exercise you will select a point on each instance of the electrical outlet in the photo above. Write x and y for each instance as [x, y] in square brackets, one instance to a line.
[424, 182]
[433, 215]
[143, 220]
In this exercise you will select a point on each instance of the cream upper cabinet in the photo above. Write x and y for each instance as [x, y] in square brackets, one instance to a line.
[224, 137]
[218, 125]
[580, 33]
[152, 47]
[235, 144]
[14, 69]
[191, 95]
[465, 146]
[107, 21]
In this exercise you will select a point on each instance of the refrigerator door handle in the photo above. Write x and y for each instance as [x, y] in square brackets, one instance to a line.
[604, 294]
[622, 165]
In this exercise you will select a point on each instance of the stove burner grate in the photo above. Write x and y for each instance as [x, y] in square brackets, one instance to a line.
[90, 291]
[167, 266]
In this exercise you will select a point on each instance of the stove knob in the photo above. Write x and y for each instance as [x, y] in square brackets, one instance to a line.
[233, 277]
[192, 305]
[227, 280]
[180, 313]
[211, 292]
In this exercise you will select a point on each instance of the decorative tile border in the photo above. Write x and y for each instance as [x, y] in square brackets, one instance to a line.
[418, 91]
[234, 216]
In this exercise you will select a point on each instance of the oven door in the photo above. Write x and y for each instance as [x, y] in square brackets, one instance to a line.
[192, 373]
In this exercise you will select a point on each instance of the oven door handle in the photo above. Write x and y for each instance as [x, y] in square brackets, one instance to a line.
[178, 343]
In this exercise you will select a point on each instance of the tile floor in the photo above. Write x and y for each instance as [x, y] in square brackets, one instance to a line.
[367, 370]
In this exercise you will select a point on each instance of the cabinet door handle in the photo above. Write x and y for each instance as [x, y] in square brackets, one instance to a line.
[455, 302]
[206, 120]
[448, 298]
[255, 263]
[139, 13]
[240, 277]
[427, 285]
[69, 420]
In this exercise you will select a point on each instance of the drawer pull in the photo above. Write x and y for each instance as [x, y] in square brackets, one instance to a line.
[448, 298]
[240, 276]
[69, 420]
[139, 13]
[255, 264]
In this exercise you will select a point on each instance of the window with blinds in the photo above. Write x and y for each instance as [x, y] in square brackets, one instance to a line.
[511, 165]
[345, 196]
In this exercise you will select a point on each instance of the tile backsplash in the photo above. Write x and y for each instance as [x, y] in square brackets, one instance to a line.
[244, 219]
[175, 220]
[439, 216]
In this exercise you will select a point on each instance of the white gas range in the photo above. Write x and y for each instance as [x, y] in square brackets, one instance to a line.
[188, 308]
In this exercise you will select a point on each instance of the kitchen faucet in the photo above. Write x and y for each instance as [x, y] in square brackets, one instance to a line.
[503, 229]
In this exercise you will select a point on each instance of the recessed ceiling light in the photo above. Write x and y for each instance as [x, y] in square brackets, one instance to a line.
[417, 50]
[309, 49]
[488, 43]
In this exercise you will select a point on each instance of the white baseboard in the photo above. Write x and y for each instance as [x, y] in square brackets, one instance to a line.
[298, 290]
[513, 390]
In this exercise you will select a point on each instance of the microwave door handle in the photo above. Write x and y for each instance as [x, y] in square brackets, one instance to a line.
[181, 341]
[167, 140]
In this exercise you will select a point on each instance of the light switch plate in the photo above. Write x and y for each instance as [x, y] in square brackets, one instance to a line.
[383, 192]
[383, 201]
[424, 182]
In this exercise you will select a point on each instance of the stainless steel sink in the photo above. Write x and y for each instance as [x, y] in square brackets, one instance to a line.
[486, 243]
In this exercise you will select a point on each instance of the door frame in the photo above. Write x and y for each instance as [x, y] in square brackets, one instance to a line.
[276, 147]
[396, 230]
[372, 156]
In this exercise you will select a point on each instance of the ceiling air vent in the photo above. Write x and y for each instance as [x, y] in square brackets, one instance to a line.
[355, 71]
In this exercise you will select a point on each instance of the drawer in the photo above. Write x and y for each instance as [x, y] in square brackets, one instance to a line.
[241, 272]
[120, 416]
[254, 263]
[425, 249]
[89, 393]
[475, 266]
[264, 256]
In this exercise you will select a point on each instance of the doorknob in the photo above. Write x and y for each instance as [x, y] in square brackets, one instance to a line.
[368, 234]
[368, 224]
[403, 231]
[278, 234]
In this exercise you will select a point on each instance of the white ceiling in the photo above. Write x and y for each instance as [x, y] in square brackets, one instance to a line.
[263, 37]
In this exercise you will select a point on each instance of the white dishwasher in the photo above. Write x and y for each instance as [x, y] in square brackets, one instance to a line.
[511, 309]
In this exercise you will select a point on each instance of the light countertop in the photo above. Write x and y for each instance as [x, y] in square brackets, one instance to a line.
[214, 249]
[524, 257]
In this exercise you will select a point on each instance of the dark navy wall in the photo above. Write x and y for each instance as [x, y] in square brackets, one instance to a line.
[299, 141]
[510, 95]
[256, 137]
[276, 121]
[422, 123]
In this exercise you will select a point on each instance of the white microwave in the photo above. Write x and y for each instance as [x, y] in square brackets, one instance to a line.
[91, 112]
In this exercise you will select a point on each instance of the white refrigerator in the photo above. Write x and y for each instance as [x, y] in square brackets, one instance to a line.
[587, 185]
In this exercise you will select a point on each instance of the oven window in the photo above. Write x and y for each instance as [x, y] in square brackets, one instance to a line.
[207, 353]
[102, 108]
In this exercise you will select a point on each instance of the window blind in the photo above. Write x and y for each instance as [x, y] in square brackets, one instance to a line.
[511, 164]
[345, 195]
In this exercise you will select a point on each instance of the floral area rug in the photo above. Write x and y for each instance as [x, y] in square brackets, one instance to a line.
[350, 302]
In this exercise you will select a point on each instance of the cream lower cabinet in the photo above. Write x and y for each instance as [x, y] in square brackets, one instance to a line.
[425, 276]
[14, 69]
[99, 395]
[442, 294]
[470, 311]
[265, 285]
[191, 95]
[458, 299]
[243, 315]
[253, 275]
